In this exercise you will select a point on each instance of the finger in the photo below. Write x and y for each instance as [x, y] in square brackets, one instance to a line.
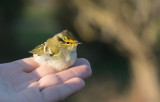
[53, 79]
[60, 92]
[42, 71]
[26, 64]
[82, 61]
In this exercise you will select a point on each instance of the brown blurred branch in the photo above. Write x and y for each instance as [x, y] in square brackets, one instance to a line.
[134, 25]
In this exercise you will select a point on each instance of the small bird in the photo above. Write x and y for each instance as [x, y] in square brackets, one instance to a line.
[58, 52]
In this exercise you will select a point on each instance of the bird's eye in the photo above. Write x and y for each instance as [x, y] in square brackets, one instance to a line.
[67, 42]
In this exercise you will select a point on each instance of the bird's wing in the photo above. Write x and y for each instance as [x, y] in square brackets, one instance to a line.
[39, 50]
[44, 48]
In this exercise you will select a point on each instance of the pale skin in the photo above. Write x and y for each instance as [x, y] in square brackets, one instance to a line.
[25, 81]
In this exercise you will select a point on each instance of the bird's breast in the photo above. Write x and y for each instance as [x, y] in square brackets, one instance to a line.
[60, 62]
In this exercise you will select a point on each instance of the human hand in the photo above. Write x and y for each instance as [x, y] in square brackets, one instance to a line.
[25, 81]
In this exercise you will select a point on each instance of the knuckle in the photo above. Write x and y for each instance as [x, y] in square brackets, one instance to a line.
[80, 81]
[88, 71]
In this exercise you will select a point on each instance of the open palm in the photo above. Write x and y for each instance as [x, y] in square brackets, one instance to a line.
[25, 81]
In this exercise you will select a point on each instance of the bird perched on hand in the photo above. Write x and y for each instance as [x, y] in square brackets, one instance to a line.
[58, 51]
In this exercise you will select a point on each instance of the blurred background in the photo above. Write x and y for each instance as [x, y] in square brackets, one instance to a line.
[120, 39]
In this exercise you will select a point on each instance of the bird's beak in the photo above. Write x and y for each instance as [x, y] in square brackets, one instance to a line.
[77, 43]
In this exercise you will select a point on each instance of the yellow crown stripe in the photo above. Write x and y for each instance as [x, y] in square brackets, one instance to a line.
[70, 41]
